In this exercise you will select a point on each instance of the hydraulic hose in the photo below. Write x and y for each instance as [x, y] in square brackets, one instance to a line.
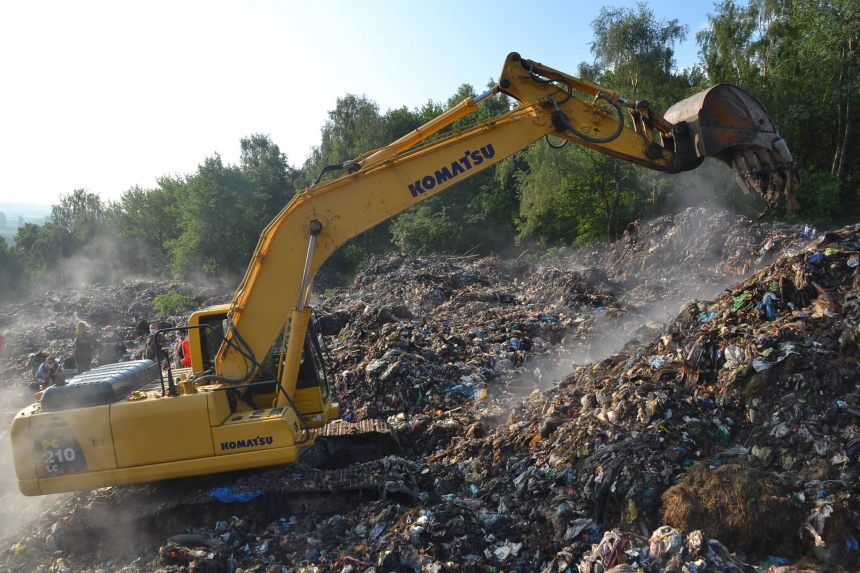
[350, 166]
[325, 170]
[588, 138]
[568, 91]
[248, 353]
[553, 145]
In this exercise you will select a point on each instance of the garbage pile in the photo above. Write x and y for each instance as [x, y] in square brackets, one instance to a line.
[696, 243]
[753, 391]
[48, 323]
[555, 418]
[520, 325]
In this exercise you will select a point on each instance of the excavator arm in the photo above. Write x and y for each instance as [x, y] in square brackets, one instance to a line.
[388, 181]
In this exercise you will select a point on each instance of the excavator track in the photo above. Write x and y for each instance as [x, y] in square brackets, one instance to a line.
[340, 444]
[279, 491]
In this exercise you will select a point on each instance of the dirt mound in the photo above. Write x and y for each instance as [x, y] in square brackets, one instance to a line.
[735, 504]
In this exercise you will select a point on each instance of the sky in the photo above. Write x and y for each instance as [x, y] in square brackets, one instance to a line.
[105, 96]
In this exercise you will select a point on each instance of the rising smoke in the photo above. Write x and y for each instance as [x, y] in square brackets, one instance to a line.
[15, 508]
[669, 285]
[711, 185]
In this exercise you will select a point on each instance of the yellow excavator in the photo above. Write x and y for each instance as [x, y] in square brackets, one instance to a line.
[257, 393]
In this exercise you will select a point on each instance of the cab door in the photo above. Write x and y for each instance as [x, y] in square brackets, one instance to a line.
[312, 390]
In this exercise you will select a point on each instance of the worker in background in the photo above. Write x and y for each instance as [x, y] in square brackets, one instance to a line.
[632, 228]
[112, 348]
[85, 343]
[178, 349]
[186, 350]
[49, 373]
[153, 344]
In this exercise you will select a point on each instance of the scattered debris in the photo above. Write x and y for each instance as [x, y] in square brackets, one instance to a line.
[685, 399]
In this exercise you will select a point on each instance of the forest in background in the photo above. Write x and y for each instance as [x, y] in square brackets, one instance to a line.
[798, 57]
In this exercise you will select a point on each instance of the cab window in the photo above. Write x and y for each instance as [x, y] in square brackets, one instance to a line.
[211, 341]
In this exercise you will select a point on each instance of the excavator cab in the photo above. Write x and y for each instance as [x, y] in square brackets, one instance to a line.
[207, 341]
[312, 388]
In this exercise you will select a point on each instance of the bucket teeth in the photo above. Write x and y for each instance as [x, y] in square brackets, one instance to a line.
[762, 171]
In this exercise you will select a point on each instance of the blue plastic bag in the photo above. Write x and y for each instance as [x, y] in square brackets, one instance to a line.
[226, 495]
[767, 306]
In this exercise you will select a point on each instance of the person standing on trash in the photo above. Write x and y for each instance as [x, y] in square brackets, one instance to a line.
[185, 361]
[178, 349]
[112, 348]
[49, 373]
[85, 343]
[154, 343]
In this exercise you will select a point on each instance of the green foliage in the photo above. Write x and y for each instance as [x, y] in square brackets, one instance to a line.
[731, 46]
[172, 303]
[215, 237]
[574, 195]
[547, 206]
[354, 127]
[26, 239]
[75, 221]
[822, 204]
[41, 247]
[222, 209]
[149, 220]
[78, 217]
[424, 230]
[13, 278]
[349, 259]
[634, 52]
[799, 57]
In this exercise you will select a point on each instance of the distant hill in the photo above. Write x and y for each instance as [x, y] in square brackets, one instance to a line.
[26, 210]
[16, 212]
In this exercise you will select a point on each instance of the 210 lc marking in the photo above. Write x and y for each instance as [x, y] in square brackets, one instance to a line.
[61, 455]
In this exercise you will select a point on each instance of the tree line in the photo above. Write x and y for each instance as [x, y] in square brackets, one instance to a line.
[798, 57]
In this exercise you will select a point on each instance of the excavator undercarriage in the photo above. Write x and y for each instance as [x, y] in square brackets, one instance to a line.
[348, 462]
[278, 491]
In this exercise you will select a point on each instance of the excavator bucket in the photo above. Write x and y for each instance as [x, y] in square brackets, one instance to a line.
[727, 123]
